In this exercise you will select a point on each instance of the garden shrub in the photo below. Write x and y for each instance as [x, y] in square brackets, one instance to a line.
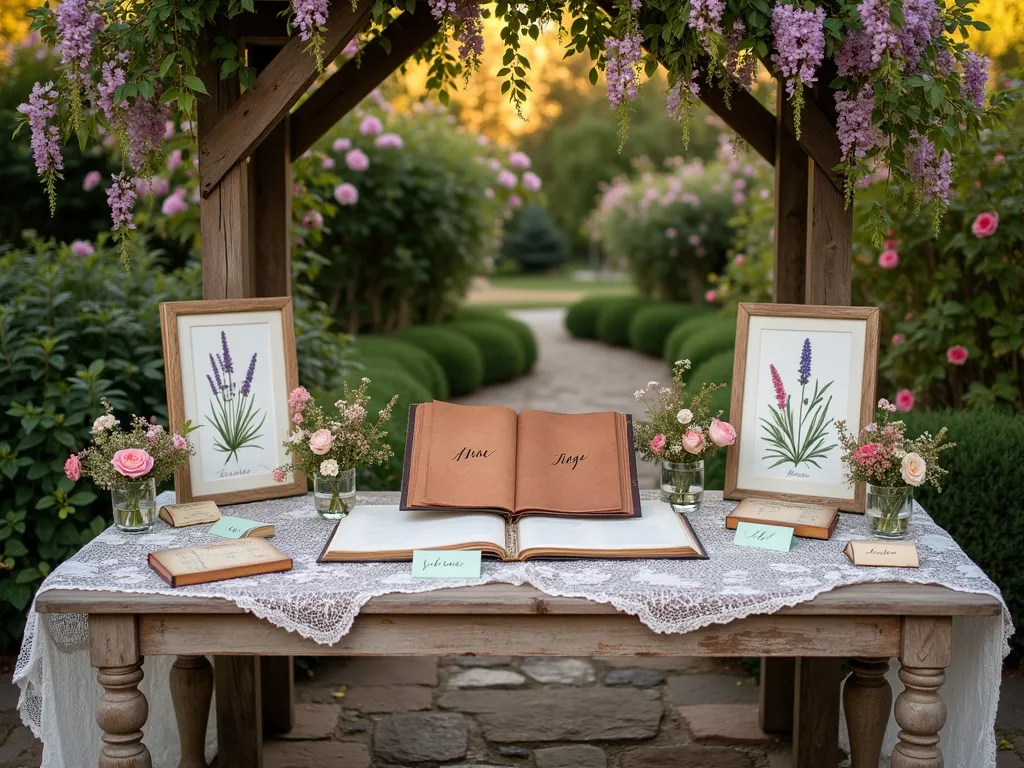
[711, 340]
[533, 242]
[462, 362]
[581, 318]
[686, 330]
[652, 325]
[615, 317]
[717, 369]
[498, 346]
[523, 333]
[420, 364]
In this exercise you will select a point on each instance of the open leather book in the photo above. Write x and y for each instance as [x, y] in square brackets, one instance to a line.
[391, 533]
[534, 462]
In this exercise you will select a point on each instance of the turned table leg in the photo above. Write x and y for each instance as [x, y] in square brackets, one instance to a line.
[191, 692]
[920, 711]
[867, 699]
[122, 711]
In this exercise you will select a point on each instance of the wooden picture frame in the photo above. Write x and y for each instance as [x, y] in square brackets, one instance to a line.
[771, 438]
[243, 399]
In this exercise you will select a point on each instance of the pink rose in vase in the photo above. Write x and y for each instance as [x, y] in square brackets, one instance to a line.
[693, 441]
[658, 444]
[722, 433]
[320, 442]
[73, 467]
[132, 462]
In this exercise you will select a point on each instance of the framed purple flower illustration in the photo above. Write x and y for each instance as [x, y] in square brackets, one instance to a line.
[229, 366]
[796, 371]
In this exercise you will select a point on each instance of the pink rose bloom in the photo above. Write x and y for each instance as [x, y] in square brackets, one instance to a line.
[897, 338]
[693, 441]
[132, 462]
[327, 162]
[174, 160]
[342, 145]
[179, 442]
[82, 248]
[92, 180]
[904, 400]
[739, 261]
[73, 467]
[710, 296]
[514, 201]
[313, 220]
[346, 194]
[531, 181]
[999, 159]
[370, 126]
[658, 444]
[357, 160]
[278, 476]
[389, 141]
[519, 160]
[985, 224]
[956, 355]
[722, 433]
[671, 233]
[889, 259]
[507, 179]
[320, 442]
[174, 205]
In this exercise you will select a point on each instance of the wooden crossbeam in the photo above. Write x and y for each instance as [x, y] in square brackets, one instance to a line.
[276, 91]
[354, 82]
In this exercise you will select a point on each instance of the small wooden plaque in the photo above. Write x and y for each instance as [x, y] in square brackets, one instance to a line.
[885, 554]
[809, 521]
[190, 513]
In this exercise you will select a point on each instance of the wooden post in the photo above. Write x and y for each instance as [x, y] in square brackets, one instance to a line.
[122, 711]
[776, 705]
[791, 198]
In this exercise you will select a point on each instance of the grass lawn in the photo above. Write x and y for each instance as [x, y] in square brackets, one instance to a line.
[548, 290]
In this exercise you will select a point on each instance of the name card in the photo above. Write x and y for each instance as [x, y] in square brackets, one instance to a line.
[886, 554]
[775, 537]
[191, 513]
[240, 528]
[445, 564]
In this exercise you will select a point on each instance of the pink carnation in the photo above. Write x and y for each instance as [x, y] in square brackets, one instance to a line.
[985, 224]
[889, 259]
[658, 444]
[905, 400]
[956, 355]
[132, 462]
[278, 476]
[73, 467]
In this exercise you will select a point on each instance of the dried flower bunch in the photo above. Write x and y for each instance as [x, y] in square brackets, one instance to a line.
[120, 458]
[883, 455]
[680, 427]
[328, 444]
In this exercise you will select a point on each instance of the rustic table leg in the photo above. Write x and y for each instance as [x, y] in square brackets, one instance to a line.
[239, 714]
[191, 692]
[775, 711]
[920, 711]
[867, 699]
[277, 679]
[816, 713]
[122, 710]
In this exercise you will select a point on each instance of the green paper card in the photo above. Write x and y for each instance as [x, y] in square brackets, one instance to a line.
[447, 564]
[775, 537]
[234, 527]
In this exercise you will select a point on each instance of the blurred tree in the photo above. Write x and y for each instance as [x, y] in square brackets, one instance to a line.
[533, 241]
[13, 23]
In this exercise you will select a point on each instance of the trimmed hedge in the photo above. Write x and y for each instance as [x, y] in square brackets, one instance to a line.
[715, 370]
[420, 364]
[462, 362]
[498, 346]
[685, 330]
[652, 325]
[711, 339]
[982, 501]
[615, 317]
[581, 319]
[522, 332]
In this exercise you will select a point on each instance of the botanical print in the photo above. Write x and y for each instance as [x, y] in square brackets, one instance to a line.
[798, 434]
[232, 412]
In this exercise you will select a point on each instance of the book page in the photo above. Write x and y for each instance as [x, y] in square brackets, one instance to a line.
[469, 457]
[658, 528]
[238, 553]
[375, 528]
[569, 463]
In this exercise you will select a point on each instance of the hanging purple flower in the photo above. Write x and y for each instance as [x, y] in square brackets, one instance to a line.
[805, 362]
[121, 199]
[77, 24]
[247, 382]
[622, 67]
[226, 359]
[975, 78]
[40, 110]
[216, 373]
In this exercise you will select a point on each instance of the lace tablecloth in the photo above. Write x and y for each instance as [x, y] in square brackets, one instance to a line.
[320, 601]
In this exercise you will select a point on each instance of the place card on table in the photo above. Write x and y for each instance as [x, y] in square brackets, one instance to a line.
[192, 513]
[445, 564]
[240, 528]
[886, 554]
[775, 537]
[811, 521]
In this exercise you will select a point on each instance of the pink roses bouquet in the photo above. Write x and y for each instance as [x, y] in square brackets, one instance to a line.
[680, 428]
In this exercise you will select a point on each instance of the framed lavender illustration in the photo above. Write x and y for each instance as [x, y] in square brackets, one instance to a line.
[229, 367]
[797, 370]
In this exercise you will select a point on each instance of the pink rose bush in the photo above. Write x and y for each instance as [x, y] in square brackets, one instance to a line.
[956, 355]
[889, 259]
[985, 224]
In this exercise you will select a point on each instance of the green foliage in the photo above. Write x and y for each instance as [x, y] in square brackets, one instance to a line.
[686, 330]
[498, 346]
[523, 332]
[459, 357]
[382, 352]
[716, 369]
[615, 317]
[708, 341]
[581, 318]
[982, 500]
[533, 242]
[653, 323]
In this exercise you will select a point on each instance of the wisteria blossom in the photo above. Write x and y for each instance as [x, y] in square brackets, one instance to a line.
[975, 78]
[622, 71]
[800, 48]
[310, 19]
[40, 110]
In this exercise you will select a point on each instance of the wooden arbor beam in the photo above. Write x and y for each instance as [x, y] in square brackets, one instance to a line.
[258, 111]
[352, 83]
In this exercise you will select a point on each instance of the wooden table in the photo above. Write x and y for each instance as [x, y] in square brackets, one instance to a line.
[868, 623]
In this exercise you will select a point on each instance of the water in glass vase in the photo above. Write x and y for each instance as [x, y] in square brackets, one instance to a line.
[682, 484]
[135, 506]
[888, 511]
[334, 497]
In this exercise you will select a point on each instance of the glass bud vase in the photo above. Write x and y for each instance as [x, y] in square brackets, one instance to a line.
[682, 484]
[888, 510]
[334, 497]
[135, 506]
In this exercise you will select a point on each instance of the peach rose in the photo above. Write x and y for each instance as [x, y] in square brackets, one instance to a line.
[722, 433]
[320, 442]
[132, 462]
[658, 444]
[693, 441]
[913, 469]
[73, 467]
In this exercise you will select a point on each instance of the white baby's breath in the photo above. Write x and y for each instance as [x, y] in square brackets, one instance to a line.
[685, 416]
[329, 468]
